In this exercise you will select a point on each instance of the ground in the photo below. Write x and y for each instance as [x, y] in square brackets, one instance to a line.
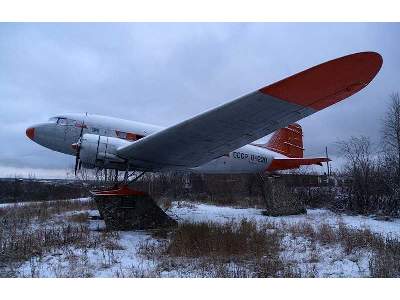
[302, 251]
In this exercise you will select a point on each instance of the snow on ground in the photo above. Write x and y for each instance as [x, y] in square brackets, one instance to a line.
[3, 205]
[313, 259]
[204, 212]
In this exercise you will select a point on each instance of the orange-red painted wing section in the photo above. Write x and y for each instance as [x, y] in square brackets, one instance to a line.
[294, 163]
[220, 130]
[328, 83]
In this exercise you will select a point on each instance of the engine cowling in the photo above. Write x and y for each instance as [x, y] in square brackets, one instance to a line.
[101, 151]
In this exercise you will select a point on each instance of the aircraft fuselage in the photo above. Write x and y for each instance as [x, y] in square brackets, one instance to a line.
[62, 132]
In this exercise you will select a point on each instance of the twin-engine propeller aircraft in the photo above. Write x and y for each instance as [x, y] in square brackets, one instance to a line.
[220, 140]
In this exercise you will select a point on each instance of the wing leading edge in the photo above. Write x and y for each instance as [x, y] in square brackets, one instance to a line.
[230, 126]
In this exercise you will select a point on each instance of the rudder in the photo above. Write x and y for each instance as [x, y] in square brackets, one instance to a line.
[287, 141]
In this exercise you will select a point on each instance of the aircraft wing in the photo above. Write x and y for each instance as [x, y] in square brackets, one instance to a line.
[230, 126]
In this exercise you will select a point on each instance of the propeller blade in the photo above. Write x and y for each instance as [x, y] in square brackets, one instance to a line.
[80, 135]
[76, 163]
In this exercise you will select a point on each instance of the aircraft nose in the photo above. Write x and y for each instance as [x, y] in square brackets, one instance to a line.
[30, 132]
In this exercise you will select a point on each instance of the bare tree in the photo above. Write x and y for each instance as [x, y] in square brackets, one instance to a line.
[360, 168]
[391, 134]
[369, 190]
[357, 151]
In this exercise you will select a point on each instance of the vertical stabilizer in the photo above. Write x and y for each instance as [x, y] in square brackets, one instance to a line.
[287, 141]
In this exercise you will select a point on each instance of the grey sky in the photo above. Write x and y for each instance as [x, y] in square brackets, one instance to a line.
[164, 73]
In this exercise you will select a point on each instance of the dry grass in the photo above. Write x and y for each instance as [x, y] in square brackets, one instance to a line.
[385, 260]
[350, 239]
[31, 231]
[33, 244]
[246, 249]
[79, 218]
[18, 215]
[209, 249]
[24, 244]
[228, 240]
[302, 229]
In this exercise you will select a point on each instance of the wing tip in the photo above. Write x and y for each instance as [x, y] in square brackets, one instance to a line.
[328, 83]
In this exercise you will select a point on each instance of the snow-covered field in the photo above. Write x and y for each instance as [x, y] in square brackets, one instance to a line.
[204, 212]
[310, 258]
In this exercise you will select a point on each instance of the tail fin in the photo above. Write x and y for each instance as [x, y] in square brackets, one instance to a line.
[287, 141]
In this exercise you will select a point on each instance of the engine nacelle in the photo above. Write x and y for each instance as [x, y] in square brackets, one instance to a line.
[101, 151]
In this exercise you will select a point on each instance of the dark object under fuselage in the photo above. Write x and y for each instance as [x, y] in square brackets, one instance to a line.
[126, 209]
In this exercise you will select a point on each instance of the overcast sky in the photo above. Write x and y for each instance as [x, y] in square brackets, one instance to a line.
[164, 73]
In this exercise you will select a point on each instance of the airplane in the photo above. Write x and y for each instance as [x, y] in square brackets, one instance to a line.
[220, 140]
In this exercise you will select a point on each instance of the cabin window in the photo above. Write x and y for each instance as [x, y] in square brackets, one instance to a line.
[131, 136]
[128, 135]
[122, 135]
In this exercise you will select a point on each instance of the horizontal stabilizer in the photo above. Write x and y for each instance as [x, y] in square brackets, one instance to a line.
[294, 163]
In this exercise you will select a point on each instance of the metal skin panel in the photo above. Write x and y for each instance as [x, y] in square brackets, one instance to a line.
[109, 125]
[214, 133]
[207, 142]
[247, 159]
[100, 150]
[230, 126]
[52, 136]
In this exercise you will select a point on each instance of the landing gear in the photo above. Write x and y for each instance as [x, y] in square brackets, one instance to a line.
[124, 208]
[127, 176]
[135, 178]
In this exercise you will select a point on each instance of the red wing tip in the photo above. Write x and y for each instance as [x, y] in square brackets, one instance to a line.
[377, 56]
[328, 83]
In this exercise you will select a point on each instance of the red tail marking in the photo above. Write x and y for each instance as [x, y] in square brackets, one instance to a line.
[287, 141]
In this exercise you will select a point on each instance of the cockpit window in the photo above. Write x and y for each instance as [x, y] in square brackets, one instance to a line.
[62, 121]
[53, 120]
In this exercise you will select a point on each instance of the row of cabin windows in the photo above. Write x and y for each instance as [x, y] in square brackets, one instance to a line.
[122, 135]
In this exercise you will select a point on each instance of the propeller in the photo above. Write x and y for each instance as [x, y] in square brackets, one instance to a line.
[77, 147]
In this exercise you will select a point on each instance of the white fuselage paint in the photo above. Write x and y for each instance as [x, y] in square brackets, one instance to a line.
[60, 137]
